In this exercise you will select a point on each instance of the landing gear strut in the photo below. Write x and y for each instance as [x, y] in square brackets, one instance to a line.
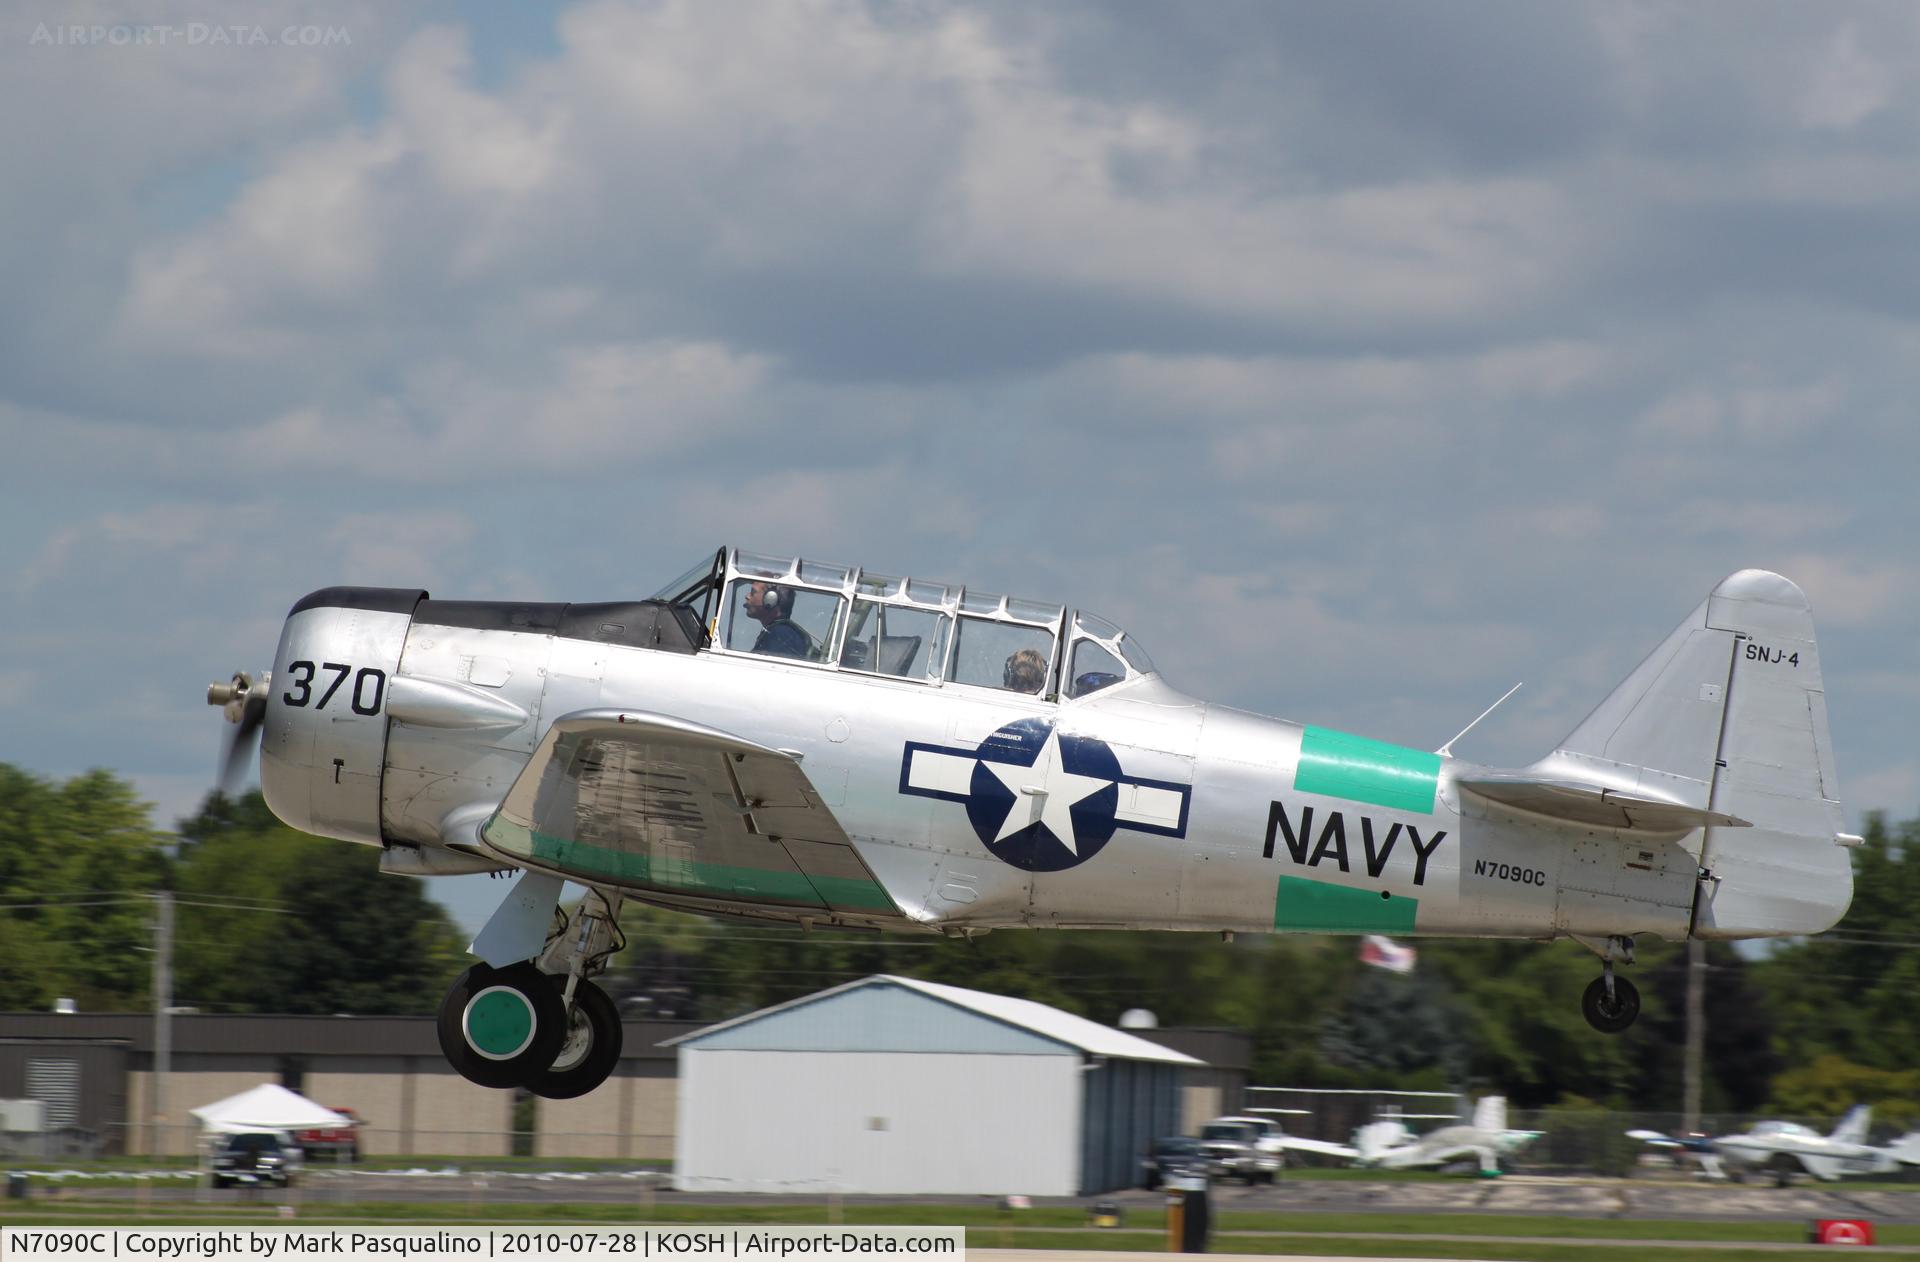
[590, 1050]
[1610, 1003]
[539, 1024]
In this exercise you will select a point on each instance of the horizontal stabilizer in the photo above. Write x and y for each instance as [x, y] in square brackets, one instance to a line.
[1595, 805]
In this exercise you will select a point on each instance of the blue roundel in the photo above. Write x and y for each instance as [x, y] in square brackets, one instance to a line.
[1014, 825]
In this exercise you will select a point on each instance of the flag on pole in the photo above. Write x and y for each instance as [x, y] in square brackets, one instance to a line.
[1386, 953]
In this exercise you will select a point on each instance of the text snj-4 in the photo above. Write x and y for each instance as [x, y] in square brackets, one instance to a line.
[369, 686]
[1758, 652]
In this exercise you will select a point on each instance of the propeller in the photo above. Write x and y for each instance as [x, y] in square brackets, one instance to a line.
[244, 702]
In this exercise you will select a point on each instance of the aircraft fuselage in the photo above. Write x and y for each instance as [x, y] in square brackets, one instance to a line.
[400, 721]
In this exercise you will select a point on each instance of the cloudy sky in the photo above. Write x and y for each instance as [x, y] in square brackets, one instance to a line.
[1363, 358]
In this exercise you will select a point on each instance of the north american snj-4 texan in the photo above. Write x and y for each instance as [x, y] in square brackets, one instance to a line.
[793, 740]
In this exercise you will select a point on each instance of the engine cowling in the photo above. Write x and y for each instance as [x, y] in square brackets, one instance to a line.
[324, 742]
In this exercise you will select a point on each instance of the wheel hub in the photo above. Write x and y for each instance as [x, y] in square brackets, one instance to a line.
[579, 1041]
[499, 1023]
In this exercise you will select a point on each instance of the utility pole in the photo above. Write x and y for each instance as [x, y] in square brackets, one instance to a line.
[1696, 1033]
[162, 1014]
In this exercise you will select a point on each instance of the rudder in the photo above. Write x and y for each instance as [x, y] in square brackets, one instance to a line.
[1729, 715]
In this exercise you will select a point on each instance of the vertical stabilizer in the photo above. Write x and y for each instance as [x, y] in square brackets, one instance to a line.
[1853, 1127]
[1491, 1113]
[1728, 718]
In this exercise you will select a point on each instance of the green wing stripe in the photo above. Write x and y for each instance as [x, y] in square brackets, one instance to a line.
[1337, 765]
[686, 876]
[1301, 905]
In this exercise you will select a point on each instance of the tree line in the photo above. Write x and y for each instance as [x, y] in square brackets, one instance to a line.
[271, 920]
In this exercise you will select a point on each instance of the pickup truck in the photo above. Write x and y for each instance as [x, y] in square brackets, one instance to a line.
[1245, 1148]
[253, 1157]
[334, 1143]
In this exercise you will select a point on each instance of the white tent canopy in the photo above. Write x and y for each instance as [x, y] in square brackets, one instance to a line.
[267, 1107]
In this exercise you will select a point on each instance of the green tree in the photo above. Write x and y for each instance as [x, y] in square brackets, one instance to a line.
[1397, 1031]
[1831, 1085]
[79, 861]
[1854, 992]
[272, 920]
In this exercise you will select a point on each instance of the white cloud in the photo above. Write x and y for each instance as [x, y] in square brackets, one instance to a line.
[1847, 86]
[1894, 789]
[397, 548]
[1848, 591]
[596, 407]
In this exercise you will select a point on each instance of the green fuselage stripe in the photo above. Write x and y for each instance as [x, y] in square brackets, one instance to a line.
[1337, 765]
[687, 876]
[1318, 907]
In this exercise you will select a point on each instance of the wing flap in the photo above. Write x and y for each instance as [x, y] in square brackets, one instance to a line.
[653, 802]
[1595, 805]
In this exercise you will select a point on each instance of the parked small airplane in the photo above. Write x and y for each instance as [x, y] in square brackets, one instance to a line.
[1785, 1149]
[785, 739]
[1389, 1144]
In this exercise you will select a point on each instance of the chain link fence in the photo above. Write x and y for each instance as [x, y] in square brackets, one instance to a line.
[391, 1165]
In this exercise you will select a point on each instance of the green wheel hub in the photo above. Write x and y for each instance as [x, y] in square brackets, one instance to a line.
[499, 1023]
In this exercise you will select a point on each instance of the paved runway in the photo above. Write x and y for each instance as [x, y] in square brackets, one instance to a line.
[1514, 1194]
[1590, 1198]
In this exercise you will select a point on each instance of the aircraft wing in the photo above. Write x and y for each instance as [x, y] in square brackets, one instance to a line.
[1294, 1143]
[1578, 802]
[657, 804]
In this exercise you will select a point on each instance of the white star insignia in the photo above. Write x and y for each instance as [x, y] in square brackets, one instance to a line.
[1045, 792]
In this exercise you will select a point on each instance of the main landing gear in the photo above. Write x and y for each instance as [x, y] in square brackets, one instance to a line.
[539, 1024]
[1610, 1003]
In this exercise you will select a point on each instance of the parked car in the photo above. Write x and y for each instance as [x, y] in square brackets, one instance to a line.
[1172, 1155]
[336, 1143]
[254, 1157]
[1244, 1148]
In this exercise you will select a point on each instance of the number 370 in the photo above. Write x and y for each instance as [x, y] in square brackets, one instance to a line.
[369, 686]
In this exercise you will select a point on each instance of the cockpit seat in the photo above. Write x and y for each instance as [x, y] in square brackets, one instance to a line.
[1093, 681]
[897, 653]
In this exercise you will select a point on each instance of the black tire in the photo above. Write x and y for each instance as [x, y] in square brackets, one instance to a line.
[1610, 1018]
[218, 1182]
[579, 1070]
[541, 1014]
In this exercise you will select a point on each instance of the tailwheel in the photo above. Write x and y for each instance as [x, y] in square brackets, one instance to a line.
[1611, 1004]
[499, 1027]
[590, 1049]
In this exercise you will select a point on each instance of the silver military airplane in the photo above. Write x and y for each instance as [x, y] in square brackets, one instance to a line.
[787, 739]
[1784, 1149]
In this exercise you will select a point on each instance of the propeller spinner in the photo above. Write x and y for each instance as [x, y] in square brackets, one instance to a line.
[244, 701]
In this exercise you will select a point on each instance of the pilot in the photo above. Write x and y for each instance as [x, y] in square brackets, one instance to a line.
[772, 607]
[1026, 671]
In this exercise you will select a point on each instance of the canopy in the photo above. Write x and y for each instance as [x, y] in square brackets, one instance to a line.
[267, 1107]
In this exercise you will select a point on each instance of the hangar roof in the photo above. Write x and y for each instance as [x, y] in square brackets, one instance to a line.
[1022, 1015]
